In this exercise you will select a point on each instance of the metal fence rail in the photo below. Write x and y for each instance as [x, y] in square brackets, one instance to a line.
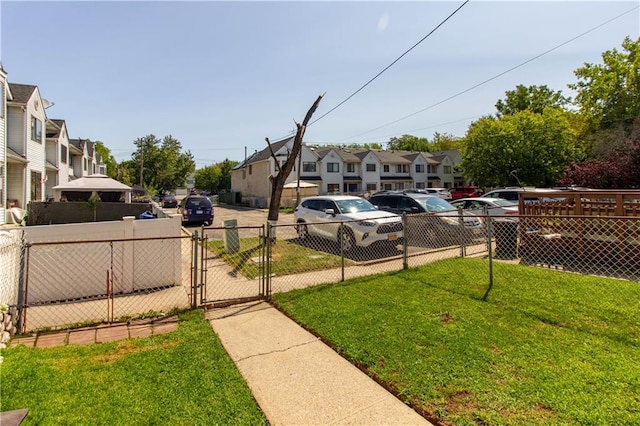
[74, 283]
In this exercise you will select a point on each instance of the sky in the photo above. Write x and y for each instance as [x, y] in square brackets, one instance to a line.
[221, 76]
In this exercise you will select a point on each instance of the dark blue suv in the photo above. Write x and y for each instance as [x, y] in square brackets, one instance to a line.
[196, 208]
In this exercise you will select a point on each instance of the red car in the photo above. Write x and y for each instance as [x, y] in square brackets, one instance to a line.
[465, 192]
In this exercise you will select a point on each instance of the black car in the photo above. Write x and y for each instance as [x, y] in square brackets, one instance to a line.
[169, 201]
[432, 218]
[196, 208]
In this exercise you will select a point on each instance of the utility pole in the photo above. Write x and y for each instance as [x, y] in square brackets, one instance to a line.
[141, 167]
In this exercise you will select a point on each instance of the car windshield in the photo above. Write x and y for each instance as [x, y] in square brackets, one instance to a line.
[355, 206]
[435, 204]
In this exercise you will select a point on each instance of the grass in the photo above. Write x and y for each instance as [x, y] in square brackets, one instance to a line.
[182, 377]
[287, 257]
[545, 348]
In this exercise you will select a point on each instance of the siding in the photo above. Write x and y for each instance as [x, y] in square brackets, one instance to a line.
[16, 130]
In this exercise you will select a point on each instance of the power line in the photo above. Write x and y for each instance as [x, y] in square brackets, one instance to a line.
[496, 76]
[389, 66]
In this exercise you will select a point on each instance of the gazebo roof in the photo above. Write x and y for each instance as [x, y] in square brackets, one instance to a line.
[96, 182]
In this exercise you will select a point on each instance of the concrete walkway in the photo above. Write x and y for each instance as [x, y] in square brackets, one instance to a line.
[295, 378]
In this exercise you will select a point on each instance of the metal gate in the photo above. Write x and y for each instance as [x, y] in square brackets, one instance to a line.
[229, 265]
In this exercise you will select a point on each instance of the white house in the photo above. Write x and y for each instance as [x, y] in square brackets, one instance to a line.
[4, 94]
[26, 119]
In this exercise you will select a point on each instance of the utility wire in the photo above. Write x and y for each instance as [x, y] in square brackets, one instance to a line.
[494, 77]
[389, 66]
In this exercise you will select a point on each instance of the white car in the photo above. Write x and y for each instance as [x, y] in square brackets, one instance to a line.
[440, 192]
[363, 223]
[494, 206]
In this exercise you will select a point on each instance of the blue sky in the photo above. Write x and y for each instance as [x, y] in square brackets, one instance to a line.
[222, 76]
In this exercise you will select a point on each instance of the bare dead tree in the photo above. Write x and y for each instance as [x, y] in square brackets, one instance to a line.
[277, 181]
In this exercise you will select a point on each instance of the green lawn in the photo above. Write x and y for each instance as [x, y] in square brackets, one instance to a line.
[182, 377]
[545, 348]
[287, 257]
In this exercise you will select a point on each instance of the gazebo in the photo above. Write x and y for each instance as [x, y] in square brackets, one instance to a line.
[82, 189]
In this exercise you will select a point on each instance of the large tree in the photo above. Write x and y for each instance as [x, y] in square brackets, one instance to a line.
[215, 178]
[444, 142]
[532, 98]
[408, 143]
[161, 164]
[609, 93]
[524, 147]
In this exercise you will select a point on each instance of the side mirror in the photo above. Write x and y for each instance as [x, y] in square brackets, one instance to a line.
[330, 212]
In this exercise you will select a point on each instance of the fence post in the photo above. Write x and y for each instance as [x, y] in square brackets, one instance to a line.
[462, 233]
[194, 266]
[23, 285]
[268, 242]
[203, 266]
[341, 238]
[405, 244]
[489, 237]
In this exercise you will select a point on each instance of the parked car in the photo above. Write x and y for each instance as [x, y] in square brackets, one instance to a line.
[439, 220]
[494, 206]
[169, 200]
[440, 192]
[512, 194]
[464, 192]
[196, 208]
[364, 225]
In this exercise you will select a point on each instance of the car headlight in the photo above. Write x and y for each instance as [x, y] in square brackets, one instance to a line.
[366, 223]
[450, 220]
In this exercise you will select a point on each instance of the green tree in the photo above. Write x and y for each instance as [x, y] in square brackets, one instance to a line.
[408, 143]
[609, 93]
[532, 98]
[444, 142]
[534, 147]
[215, 178]
[160, 164]
[107, 159]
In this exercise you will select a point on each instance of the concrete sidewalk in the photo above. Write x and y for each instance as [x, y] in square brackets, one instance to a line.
[295, 378]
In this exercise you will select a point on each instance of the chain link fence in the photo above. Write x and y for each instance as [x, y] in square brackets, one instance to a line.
[66, 284]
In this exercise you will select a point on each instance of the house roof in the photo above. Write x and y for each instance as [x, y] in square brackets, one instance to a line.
[54, 127]
[94, 182]
[22, 92]
[390, 157]
[265, 153]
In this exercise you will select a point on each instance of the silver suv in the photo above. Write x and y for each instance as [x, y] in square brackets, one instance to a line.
[362, 223]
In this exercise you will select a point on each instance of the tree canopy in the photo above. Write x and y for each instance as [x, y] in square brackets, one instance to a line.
[215, 178]
[534, 147]
[159, 164]
[408, 143]
[609, 93]
[532, 98]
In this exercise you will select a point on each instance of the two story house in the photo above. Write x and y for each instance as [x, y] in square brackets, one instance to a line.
[342, 171]
[36, 153]
[4, 95]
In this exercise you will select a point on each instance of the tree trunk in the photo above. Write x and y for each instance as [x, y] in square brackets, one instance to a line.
[277, 183]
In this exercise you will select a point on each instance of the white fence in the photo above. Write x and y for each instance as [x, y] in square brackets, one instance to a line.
[10, 255]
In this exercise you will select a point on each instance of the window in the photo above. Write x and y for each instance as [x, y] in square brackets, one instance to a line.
[333, 187]
[402, 168]
[372, 187]
[387, 187]
[36, 186]
[420, 185]
[333, 167]
[63, 154]
[84, 164]
[432, 169]
[309, 167]
[371, 167]
[250, 169]
[36, 129]
[385, 168]
[419, 168]
[447, 170]
[351, 168]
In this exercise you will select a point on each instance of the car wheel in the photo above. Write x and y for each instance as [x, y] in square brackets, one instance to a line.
[303, 232]
[347, 240]
[207, 223]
